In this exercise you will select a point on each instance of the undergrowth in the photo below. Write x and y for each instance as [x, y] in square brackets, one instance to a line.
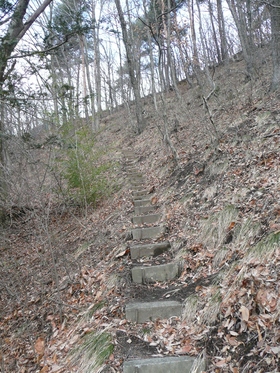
[86, 176]
[95, 348]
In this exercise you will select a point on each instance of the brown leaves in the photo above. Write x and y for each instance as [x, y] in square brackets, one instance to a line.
[267, 299]
[245, 313]
[154, 200]
[39, 348]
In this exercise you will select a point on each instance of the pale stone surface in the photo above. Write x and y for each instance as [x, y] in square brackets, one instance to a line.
[139, 251]
[163, 272]
[139, 210]
[150, 232]
[141, 312]
[146, 219]
[144, 196]
[142, 202]
[138, 193]
[178, 364]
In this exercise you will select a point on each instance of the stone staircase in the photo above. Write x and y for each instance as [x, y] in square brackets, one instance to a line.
[147, 228]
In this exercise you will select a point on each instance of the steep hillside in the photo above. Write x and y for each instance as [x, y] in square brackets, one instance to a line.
[221, 206]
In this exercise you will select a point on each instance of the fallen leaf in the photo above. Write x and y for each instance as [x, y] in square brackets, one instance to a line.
[222, 362]
[231, 226]
[45, 369]
[123, 253]
[275, 350]
[98, 295]
[154, 200]
[245, 313]
[40, 346]
[232, 341]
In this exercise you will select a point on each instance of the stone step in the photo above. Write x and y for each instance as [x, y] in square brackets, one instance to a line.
[168, 364]
[137, 188]
[140, 210]
[145, 196]
[134, 175]
[141, 312]
[142, 202]
[130, 160]
[137, 180]
[146, 219]
[150, 232]
[140, 193]
[162, 272]
[139, 251]
[128, 152]
[137, 183]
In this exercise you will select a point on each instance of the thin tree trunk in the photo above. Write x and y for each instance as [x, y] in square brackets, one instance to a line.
[97, 64]
[132, 70]
[169, 52]
[84, 79]
[275, 31]
[222, 31]
[204, 47]
[240, 22]
[210, 8]
[196, 67]
[91, 93]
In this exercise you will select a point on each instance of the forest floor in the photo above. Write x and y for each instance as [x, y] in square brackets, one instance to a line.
[66, 277]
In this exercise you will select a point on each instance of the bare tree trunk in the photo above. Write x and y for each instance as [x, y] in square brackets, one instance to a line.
[210, 8]
[222, 31]
[152, 70]
[274, 9]
[132, 70]
[54, 91]
[183, 58]
[169, 52]
[196, 67]
[151, 56]
[84, 79]
[97, 63]
[210, 80]
[91, 93]
[245, 40]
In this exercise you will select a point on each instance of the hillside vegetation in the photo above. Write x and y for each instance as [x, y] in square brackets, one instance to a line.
[212, 159]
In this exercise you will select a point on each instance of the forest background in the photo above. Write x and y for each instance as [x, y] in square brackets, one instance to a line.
[70, 71]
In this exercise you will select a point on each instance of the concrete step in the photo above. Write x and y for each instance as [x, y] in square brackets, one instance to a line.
[137, 189]
[128, 152]
[168, 364]
[142, 202]
[150, 232]
[137, 180]
[139, 251]
[141, 312]
[162, 272]
[140, 210]
[144, 196]
[146, 219]
[140, 193]
[134, 174]
[137, 183]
